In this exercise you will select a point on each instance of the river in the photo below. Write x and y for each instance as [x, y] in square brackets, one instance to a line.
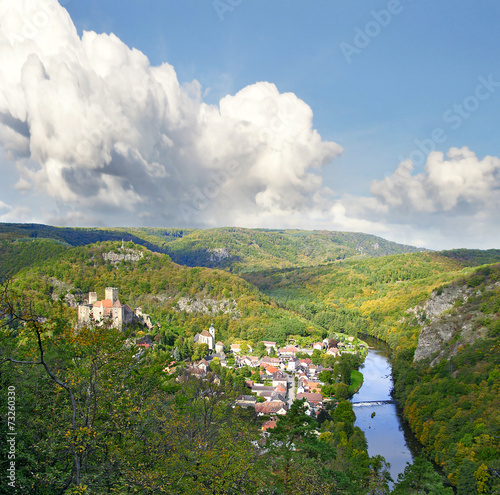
[385, 431]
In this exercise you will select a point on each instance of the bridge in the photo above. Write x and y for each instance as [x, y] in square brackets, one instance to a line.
[372, 403]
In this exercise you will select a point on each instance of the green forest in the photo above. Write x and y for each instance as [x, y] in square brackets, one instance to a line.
[93, 417]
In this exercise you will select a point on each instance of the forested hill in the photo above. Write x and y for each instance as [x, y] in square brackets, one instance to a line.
[441, 317]
[182, 300]
[234, 249]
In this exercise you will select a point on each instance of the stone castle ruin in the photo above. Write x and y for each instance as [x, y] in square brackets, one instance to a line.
[110, 309]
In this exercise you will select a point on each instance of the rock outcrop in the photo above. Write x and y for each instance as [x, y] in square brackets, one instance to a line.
[125, 255]
[440, 301]
[445, 329]
[208, 306]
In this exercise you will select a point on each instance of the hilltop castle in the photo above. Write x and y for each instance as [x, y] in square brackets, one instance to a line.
[109, 309]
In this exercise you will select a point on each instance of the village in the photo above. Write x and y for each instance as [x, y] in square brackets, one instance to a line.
[276, 378]
[279, 377]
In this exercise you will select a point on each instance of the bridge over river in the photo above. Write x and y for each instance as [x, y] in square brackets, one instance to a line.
[384, 430]
[372, 403]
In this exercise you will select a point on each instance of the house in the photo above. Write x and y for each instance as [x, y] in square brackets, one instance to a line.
[280, 378]
[292, 364]
[268, 425]
[314, 369]
[252, 361]
[280, 389]
[270, 370]
[220, 355]
[258, 389]
[145, 342]
[206, 337]
[271, 407]
[236, 348]
[269, 345]
[269, 360]
[315, 400]
[246, 401]
[318, 346]
[314, 386]
[196, 371]
[304, 364]
[109, 309]
[273, 396]
[333, 351]
[219, 347]
[288, 351]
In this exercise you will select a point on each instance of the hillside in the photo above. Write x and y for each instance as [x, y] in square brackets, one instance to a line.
[24, 252]
[234, 249]
[247, 250]
[450, 386]
[165, 290]
[439, 313]
[441, 318]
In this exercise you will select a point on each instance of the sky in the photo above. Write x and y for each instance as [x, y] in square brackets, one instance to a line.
[370, 116]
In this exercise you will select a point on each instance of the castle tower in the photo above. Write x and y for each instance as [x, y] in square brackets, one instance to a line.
[111, 293]
[92, 297]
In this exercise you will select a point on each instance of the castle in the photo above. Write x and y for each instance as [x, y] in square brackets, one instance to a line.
[109, 309]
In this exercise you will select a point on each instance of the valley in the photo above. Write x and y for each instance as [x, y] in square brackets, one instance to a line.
[439, 313]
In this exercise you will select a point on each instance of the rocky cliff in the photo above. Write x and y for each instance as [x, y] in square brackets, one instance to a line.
[449, 322]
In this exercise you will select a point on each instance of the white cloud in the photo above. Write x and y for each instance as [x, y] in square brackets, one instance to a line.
[454, 202]
[18, 214]
[461, 181]
[119, 139]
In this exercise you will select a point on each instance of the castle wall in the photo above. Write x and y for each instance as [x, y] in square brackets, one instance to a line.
[84, 314]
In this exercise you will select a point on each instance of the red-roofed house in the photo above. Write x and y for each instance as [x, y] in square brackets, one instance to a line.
[314, 399]
[270, 370]
[270, 407]
[289, 350]
[269, 425]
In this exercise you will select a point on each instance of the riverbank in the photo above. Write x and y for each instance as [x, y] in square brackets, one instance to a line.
[356, 382]
[384, 431]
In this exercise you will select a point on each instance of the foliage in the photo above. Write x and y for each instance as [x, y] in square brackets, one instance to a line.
[453, 406]
[236, 249]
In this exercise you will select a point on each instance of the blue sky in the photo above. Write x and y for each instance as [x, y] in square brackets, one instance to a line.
[385, 80]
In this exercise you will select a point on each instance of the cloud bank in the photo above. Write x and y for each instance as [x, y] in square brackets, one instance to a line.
[94, 126]
[108, 139]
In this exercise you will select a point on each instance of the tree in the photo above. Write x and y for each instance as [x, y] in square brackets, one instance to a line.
[294, 440]
[379, 476]
[177, 354]
[261, 349]
[200, 351]
[420, 478]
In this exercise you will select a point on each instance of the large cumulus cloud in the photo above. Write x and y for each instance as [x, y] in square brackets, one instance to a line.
[90, 123]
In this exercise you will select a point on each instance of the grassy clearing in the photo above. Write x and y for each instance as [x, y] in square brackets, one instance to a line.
[356, 381]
